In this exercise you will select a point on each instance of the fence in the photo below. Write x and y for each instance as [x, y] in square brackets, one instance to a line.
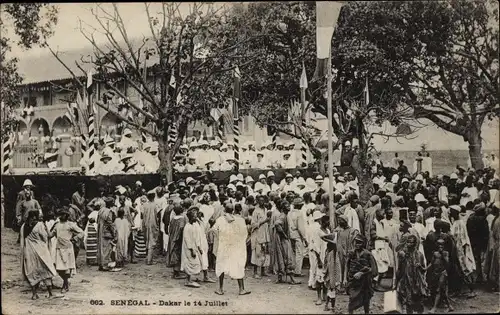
[23, 157]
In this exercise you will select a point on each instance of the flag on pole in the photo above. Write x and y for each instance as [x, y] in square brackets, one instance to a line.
[327, 14]
[237, 84]
[172, 83]
[90, 82]
[366, 93]
[303, 78]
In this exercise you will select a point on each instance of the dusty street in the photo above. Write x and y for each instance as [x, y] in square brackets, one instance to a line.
[153, 285]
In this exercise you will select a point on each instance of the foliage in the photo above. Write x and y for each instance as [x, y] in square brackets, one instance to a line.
[197, 50]
[447, 51]
[272, 81]
[33, 23]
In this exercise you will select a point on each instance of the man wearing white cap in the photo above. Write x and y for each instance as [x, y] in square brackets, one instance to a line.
[126, 140]
[286, 161]
[129, 164]
[152, 164]
[108, 164]
[252, 154]
[271, 181]
[262, 185]
[261, 162]
[289, 184]
[191, 166]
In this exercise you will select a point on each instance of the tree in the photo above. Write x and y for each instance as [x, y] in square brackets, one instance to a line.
[32, 23]
[448, 53]
[179, 72]
[272, 81]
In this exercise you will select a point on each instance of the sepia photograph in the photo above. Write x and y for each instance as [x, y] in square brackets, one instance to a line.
[275, 157]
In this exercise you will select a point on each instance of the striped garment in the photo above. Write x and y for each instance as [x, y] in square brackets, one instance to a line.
[91, 245]
[140, 245]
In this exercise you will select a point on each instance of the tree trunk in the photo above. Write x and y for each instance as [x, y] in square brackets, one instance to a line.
[475, 146]
[165, 155]
[364, 181]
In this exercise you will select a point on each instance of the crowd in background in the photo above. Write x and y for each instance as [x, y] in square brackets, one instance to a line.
[434, 236]
[129, 156]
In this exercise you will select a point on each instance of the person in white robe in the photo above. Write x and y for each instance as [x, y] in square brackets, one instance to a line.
[190, 255]
[381, 251]
[231, 249]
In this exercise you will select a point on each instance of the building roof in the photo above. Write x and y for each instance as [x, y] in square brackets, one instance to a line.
[44, 68]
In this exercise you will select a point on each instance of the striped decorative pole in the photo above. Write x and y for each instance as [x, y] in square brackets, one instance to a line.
[236, 130]
[303, 151]
[220, 128]
[83, 143]
[172, 136]
[6, 160]
[274, 137]
[91, 126]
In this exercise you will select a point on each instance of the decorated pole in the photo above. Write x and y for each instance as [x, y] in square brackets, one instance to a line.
[6, 159]
[91, 122]
[303, 87]
[327, 14]
[236, 116]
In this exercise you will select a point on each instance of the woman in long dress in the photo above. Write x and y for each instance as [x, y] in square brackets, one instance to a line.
[36, 263]
[67, 232]
[139, 241]
[90, 238]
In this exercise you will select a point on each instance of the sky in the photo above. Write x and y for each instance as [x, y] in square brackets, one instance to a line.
[68, 37]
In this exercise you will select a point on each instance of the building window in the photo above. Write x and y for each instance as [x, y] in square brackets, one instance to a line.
[47, 99]
[29, 101]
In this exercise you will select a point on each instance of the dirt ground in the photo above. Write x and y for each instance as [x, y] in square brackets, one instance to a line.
[154, 284]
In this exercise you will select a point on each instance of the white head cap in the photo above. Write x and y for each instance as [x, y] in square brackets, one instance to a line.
[27, 182]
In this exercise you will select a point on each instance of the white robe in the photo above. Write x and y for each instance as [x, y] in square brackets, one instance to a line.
[207, 211]
[231, 250]
[203, 244]
[191, 265]
[352, 218]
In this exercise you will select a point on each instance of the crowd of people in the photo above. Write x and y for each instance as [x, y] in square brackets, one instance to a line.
[129, 156]
[434, 236]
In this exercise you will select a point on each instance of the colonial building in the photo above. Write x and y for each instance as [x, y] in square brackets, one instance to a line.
[44, 103]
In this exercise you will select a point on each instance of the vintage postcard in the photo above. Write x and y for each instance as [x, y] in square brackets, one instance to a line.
[293, 157]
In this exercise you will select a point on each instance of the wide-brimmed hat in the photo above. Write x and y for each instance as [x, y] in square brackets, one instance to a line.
[317, 215]
[126, 157]
[27, 183]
